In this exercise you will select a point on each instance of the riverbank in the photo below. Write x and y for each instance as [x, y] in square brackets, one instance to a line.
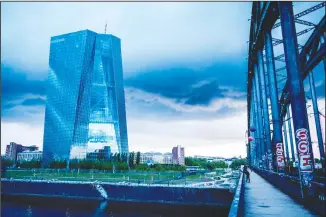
[119, 192]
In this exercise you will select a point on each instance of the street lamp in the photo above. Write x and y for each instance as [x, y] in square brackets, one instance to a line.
[246, 137]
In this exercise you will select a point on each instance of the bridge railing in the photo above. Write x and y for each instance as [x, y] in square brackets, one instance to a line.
[236, 209]
[291, 186]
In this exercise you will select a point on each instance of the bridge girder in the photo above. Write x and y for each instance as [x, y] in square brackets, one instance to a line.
[264, 15]
[311, 54]
[263, 18]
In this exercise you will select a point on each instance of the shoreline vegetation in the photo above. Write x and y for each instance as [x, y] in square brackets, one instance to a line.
[117, 169]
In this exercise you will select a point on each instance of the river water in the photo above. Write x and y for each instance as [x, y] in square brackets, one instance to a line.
[54, 207]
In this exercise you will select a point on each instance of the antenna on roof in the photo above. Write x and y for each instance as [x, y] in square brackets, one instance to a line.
[106, 24]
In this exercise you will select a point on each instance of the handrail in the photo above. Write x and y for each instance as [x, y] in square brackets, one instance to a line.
[236, 209]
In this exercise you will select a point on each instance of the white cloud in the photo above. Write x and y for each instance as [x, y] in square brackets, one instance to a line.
[22, 133]
[219, 137]
[232, 92]
[312, 125]
[214, 106]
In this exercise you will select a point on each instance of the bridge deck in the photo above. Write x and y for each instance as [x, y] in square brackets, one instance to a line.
[263, 199]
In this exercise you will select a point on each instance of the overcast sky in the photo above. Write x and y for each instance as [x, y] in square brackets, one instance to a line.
[184, 69]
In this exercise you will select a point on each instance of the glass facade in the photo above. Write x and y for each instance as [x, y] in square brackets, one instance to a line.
[85, 108]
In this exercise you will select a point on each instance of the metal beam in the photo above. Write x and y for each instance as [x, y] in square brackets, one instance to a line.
[290, 134]
[307, 65]
[309, 10]
[304, 22]
[286, 145]
[277, 127]
[280, 69]
[303, 13]
[299, 110]
[317, 120]
[281, 75]
[279, 41]
[263, 89]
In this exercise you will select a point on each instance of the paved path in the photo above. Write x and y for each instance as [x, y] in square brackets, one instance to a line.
[263, 199]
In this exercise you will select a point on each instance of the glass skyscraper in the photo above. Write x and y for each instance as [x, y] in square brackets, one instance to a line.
[85, 106]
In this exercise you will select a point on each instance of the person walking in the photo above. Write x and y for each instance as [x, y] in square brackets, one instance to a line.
[246, 172]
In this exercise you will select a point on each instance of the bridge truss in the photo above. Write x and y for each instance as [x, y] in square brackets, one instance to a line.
[271, 92]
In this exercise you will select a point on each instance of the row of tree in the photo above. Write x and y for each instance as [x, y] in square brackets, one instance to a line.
[238, 162]
[118, 162]
[204, 164]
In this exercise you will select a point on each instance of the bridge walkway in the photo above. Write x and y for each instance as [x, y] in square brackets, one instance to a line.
[263, 199]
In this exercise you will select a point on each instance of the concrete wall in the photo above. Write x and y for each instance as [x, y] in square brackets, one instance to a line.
[236, 209]
[155, 194]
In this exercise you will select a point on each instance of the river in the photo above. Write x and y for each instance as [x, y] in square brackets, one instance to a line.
[55, 207]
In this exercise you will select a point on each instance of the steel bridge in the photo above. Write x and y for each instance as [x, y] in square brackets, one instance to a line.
[277, 114]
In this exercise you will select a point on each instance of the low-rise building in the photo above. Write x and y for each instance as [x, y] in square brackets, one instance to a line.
[167, 158]
[176, 157]
[29, 155]
[13, 149]
[155, 158]
[100, 154]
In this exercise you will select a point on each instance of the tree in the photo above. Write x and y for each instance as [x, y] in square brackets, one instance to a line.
[142, 167]
[210, 166]
[29, 164]
[138, 158]
[106, 165]
[114, 157]
[189, 161]
[6, 162]
[111, 157]
[57, 164]
[124, 158]
[74, 164]
[131, 159]
[238, 162]
[122, 166]
[118, 157]
[86, 164]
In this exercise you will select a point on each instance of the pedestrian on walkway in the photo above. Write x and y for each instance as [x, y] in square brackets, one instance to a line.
[246, 172]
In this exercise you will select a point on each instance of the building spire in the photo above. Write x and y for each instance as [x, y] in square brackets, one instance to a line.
[106, 24]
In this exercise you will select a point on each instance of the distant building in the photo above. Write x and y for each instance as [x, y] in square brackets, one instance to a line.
[178, 155]
[210, 158]
[155, 158]
[13, 149]
[193, 168]
[100, 154]
[151, 157]
[29, 155]
[85, 105]
[167, 158]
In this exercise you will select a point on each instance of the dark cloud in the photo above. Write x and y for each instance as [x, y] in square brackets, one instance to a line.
[196, 87]
[15, 84]
[191, 87]
[204, 94]
[8, 105]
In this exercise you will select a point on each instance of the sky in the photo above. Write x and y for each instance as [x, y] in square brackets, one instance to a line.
[184, 69]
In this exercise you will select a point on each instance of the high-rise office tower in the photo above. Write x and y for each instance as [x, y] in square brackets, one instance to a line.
[85, 106]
